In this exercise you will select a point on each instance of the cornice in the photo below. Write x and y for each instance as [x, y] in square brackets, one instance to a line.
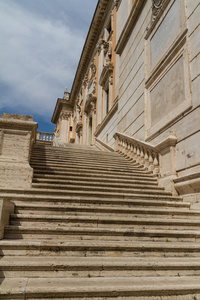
[60, 104]
[130, 23]
[96, 26]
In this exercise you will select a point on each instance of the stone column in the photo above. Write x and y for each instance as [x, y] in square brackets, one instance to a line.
[17, 135]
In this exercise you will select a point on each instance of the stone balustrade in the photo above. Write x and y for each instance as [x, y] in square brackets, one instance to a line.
[142, 153]
[160, 158]
[45, 136]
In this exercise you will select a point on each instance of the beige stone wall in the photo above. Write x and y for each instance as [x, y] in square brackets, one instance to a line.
[132, 79]
[187, 126]
[106, 135]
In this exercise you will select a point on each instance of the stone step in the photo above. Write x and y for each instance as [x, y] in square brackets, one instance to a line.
[28, 202]
[91, 211]
[59, 267]
[63, 195]
[104, 167]
[95, 178]
[111, 234]
[134, 193]
[77, 169]
[133, 222]
[86, 162]
[69, 150]
[100, 288]
[99, 182]
[93, 173]
[83, 157]
[90, 186]
[88, 248]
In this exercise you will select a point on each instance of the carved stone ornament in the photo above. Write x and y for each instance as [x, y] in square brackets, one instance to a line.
[99, 44]
[156, 7]
[56, 129]
[90, 104]
[93, 69]
[65, 115]
[85, 80]
[106, 73]
[117, 2]
[79, 127]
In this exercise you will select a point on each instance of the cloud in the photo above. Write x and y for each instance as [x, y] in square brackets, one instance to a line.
[39, 54]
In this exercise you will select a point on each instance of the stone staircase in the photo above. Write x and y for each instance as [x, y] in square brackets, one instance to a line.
[97, 226]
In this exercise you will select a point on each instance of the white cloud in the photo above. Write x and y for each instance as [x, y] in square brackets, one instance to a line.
[38, 55]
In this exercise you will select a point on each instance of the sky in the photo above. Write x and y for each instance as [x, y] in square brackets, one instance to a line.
[40, 46]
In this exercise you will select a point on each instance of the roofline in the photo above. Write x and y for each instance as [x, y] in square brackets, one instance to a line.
[91, 40]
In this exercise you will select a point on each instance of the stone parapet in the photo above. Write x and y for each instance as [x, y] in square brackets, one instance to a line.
[17, 135]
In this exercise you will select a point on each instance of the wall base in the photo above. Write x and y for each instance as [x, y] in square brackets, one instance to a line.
[15, 175]
[6, 208]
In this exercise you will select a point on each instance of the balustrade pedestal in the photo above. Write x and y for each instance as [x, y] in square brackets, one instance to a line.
[17, 135]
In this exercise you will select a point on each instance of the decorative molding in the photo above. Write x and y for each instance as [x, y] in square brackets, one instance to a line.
[106, 73]
[156, 8]
[132, 20]
[61, 104]
[117, 3]
[79, 126]
[65, 115]
[90, 101]
[100, 44]
[103, 9]
[85, 80]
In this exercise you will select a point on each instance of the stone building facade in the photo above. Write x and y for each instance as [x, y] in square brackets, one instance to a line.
[137, 88]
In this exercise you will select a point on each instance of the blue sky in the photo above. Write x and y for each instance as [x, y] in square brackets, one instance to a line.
[40, 47]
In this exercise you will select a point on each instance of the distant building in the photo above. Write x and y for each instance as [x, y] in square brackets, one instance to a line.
[137, 88]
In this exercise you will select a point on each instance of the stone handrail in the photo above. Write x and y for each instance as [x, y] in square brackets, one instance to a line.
[44, 136]
[104, 146]
[142, 153]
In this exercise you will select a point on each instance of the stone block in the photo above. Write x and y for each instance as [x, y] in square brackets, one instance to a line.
[193, 21]
[188, 152]
[191, 6]
[17, 135]
[194, 42]
[6, 208]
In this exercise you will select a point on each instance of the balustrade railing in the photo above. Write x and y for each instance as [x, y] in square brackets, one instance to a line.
[142, 153]
[45, 136]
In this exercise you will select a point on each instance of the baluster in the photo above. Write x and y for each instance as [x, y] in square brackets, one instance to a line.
[150, 162]
[156, 164]
[135, 153]
[146, 158]
[142, 156]
[128, 149]
[138, 154]
[123, 146]
[131, 151]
